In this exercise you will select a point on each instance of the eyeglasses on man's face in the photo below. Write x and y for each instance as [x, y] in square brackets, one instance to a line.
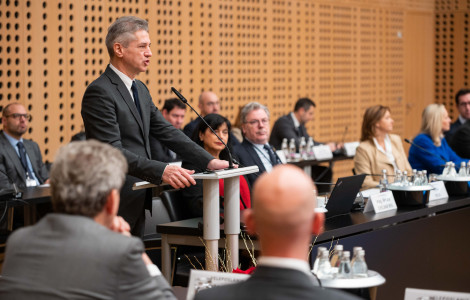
[19, 116]
[258, 122]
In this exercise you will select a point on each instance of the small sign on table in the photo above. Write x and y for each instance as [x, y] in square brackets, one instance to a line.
[381, 202]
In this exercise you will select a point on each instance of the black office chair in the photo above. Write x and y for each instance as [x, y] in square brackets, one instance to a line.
[174, 205]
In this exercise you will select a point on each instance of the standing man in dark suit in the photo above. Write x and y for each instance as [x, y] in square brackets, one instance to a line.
[462, 100]
[292, 125]
[82, 250]
[173, 111]
[255, 149]
[117, 109]
[283, 218]
[19, 158]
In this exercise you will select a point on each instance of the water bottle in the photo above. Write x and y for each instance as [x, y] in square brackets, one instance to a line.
[452, 172]
[384, 181]
[285, 148]
[317, 259]
[413, 176]
[344, 268]
[310, 145]
[359, 267]
[324, 267]
[355, 250]
[425, 180]
[446, 170]
[397, 180]
[418, 178]
[303, 148]
[405, 181]
[337, 251]
[463, 169]
[292, 150]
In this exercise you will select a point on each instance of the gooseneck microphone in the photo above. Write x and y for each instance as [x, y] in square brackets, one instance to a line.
[15, 193]
[427, 151]
[181, 97]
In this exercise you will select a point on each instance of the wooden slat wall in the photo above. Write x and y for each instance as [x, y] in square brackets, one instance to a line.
[346, 55]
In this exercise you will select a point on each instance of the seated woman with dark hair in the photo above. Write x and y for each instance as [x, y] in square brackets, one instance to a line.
[204, 137]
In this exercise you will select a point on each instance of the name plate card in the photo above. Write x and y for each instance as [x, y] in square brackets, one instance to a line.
[381, 202]
[322, 152]
[439, 192]
[350, 148]
[200, 280]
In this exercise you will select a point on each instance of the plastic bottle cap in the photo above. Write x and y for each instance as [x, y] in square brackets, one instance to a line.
[346, 254]
[338, 247]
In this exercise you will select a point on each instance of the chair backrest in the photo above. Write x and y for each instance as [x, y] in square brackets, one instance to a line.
[174, 205]
[159, 215]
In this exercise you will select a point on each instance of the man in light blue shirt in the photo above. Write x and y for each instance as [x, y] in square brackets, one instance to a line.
[20, 159]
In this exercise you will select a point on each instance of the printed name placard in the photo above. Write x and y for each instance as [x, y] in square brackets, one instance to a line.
[350, 148]
[413, 294]
[439, 192]
[322, 152]
[201, 280]
[381, 202]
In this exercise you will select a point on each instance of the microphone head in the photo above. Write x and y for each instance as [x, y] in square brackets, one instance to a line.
[179, 95]
[408, 141]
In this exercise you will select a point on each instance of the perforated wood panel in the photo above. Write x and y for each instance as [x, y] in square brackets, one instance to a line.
[345, 55]
[452, 51]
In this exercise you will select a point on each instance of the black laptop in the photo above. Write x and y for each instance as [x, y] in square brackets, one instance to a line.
[343, 195]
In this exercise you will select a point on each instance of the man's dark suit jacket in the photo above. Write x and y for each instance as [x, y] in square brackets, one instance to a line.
[10, 163]
[73, 257]
[453, 129]
[274, 284]
[110, 115]
[190, 127]
[160, 152]
[247, 156]
[284, 128]
[460, 140]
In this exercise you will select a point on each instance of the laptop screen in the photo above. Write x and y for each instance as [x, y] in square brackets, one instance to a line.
[343, 195]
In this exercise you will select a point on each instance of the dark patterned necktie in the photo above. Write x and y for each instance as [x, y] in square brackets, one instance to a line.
[24, 161]
[272, 156]
[136, 97]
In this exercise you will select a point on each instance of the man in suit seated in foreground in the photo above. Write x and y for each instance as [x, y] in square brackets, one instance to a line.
[283, 219]
[83, 250]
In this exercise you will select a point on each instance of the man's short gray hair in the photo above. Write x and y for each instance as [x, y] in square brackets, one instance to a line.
[251, 107]
[82, 176]
[122, 31]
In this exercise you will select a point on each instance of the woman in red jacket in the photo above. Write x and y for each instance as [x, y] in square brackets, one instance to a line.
[204, 137]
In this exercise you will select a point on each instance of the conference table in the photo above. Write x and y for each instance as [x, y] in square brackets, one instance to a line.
[31, 197]
[413, 246]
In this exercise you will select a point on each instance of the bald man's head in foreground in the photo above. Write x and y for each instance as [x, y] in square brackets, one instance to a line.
[283, 215]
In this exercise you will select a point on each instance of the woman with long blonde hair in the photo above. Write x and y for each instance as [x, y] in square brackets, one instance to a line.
[435, 121]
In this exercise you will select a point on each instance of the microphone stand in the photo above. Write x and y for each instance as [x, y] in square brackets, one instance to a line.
[181, 97]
